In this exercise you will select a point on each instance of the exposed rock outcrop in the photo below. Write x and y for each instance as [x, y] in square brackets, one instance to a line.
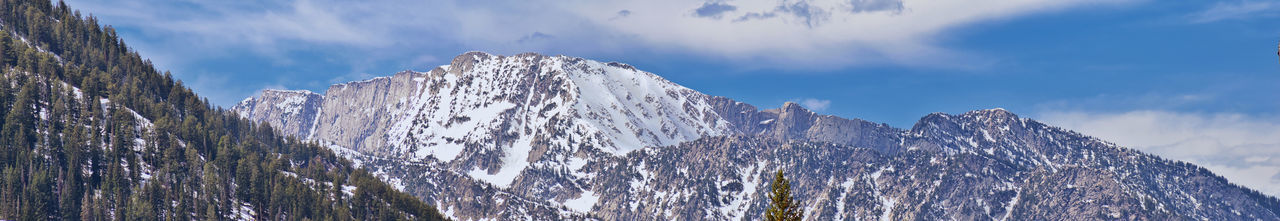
[292, 112]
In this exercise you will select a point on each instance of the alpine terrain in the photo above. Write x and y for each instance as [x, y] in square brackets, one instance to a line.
[541, 137]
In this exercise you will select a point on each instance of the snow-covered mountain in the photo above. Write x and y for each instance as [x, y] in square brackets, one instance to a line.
[555, 137]
[292, 112]
[494, 116]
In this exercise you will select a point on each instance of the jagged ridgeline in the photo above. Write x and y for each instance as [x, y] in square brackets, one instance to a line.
[532, 136]
[91, 130]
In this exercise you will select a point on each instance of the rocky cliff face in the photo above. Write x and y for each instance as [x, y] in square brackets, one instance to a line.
[532, 136]
[292, 112]
[793, 122]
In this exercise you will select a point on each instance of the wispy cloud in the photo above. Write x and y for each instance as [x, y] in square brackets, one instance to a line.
[1243, 148]
[1237, 10]
[818, 33]
[785, 33]
[815, 104]
[312, 41]
[875, 5]
[220, 24]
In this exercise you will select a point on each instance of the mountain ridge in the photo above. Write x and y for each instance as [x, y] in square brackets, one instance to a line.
[567, 167]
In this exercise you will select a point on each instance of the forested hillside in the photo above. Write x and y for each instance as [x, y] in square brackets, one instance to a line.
[91, 130]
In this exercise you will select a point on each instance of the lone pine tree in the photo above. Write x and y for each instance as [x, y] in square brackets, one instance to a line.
[781, 206]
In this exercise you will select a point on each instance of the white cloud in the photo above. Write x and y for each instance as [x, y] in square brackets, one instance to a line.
[1243, 148]
[263, 26]
[1236, 10]
[354, 38]
[819, 33]
[786, 33]
[815, 104]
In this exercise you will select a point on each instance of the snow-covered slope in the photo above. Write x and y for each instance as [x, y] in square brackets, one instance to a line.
[560, 103]
[493, 116]
[556, 137]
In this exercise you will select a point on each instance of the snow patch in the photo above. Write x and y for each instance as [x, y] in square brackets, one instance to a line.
[576, 163]
[512, 164]
[349, 190]
[987, 135]
[750, 185]
[244, 212]
[887, 203]
[583, 203]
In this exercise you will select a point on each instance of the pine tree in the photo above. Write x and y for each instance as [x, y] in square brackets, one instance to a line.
[781, 206]
[19, 125]
[9, 194]
[38, 203]
[140, 206]
[71, 194]
[88, 208]
[7, 53]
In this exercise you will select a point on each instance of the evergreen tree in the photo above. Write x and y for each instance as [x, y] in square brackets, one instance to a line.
[19, 128]
[38, 203]
[8, 55]
[781, 206]
[141, 206]
[10, 192]
[71, 193]
[90, 155]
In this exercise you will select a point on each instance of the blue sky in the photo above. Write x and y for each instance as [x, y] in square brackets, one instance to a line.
[1189, 80]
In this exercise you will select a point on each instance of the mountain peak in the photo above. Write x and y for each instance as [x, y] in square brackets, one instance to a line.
[478, 95]
[790, 109]
[283, 91]
[789, 105]
[475, 56]
[992, 117]
[473, 53]
[992, 112]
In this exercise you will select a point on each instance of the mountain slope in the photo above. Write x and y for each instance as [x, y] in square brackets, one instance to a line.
[93, 131]
[494, 117]
[727, 178]
[555, 137]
